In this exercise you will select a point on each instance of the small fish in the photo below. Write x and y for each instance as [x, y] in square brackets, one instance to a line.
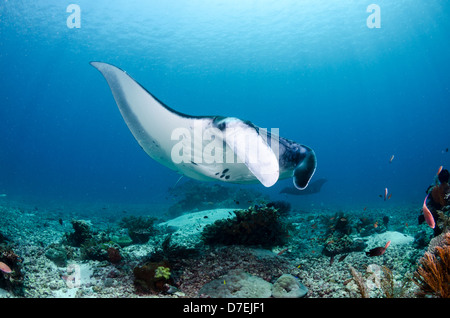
[375, 225]
[392, 158]
[331, 260]
[342, 257]
[389, 197]
[439, 170]
[427, 214]
[385, 193]
[5, 268]
[365, 208]
[378, 251]
[282, 251]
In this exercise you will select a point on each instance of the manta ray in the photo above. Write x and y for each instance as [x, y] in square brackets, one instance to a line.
[207, 148]
[314, 187]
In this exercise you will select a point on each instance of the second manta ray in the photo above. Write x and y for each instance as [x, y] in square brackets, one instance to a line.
[261, 156]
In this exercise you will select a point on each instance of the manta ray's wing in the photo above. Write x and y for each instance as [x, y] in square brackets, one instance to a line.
[153, 124]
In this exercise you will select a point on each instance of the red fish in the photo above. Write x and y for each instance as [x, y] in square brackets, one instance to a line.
[378, 251]
[282, 251]
[439, 170]
[5, 268]
[427, 214]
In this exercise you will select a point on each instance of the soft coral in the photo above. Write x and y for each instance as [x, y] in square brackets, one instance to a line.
[433, 276]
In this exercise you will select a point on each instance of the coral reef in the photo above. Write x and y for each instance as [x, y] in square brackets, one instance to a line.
[122, 240]
[81, 234]
[106, 255]
[217, 261]
[282, 207]
[443, 220]
[338, 241]
[342, 244]
[139, 228]
[162, 272]
[237, 283]
[152, 277]
[433, 276]
[258, 225]
[14, 281]
[58, 254]
[390, 288]
[114, 255]
[288, 286]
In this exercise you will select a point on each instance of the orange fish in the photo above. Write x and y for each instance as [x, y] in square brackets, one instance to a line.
[390, 195]
[439, 170]
[5, 268]
[365, 208]
[427, 214]
[392, 158]
[375, 224]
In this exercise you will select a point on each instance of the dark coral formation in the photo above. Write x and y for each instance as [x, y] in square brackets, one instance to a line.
[338, 240]
[258, 225]
[282, 207]
[92, 245]
[81, 234]
[139, 228]
[114, 255]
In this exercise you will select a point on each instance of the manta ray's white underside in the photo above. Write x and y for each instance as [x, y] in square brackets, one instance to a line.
[167, 135]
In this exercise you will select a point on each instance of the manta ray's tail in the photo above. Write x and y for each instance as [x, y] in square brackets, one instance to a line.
[305, 169]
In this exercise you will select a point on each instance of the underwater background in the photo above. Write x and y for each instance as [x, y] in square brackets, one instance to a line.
[85, 212]
[313, 69]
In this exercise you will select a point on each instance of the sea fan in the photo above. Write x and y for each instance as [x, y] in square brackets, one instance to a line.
[433, 276]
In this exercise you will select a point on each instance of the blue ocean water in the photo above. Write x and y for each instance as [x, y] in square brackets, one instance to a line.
[313, 69]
